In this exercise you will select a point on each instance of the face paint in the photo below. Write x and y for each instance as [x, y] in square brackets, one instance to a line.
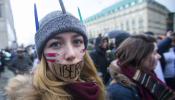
[69, 48]
[58, 57]
[53, 57]
[64, 55]
[67, 72]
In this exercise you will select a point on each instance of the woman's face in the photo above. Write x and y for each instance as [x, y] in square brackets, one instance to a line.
[151, 60]
[65, 48]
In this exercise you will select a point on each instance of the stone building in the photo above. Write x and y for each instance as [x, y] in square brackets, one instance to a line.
[134, 16]
[7, 30]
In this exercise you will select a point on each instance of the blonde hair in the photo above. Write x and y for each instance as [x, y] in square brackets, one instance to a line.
[46, 83]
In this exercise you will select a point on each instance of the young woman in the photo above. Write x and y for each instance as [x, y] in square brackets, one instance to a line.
[65, 71]
[132, 72]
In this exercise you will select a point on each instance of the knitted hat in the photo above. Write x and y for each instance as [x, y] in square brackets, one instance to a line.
[54, 23]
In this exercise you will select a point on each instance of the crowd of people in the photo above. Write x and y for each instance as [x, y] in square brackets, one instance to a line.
[61, 67]
[19, 60]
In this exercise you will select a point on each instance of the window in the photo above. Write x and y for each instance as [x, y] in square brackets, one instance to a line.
[0, 10]
[140, 22]
[127, 5]
[133, 3]
[140, 1]
[121, 25]
[121, 8]
[133, 24]
[127, 26]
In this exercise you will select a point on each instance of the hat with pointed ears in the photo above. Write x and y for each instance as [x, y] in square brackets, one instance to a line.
[54, 23]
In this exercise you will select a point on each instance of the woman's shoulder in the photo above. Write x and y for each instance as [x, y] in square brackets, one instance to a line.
[118, 87]
[21, 88]
[119, 91]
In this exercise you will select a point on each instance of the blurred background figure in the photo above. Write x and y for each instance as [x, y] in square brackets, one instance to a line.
[118, 36]
[169, 59]
[21, 62]
[91, 44]
[165, 43]
[99, 57]
[1, 62]
[98, 40]
[5, 58]
[30, 50]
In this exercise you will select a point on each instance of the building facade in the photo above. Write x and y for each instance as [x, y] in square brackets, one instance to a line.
[7, 30]
[171, 21]
[134, 16]
[174, 22]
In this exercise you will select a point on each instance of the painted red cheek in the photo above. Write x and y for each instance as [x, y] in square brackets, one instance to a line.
[52, 61]
[52, 54]
[51, 57]
[54, 57]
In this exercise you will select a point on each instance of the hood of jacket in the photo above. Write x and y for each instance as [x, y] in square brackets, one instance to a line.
[20, 88]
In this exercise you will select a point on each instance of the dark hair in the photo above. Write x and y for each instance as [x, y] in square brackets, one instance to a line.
[101, 41]
[105, 38]
[149, 33]
[135, 49]
[120, 37]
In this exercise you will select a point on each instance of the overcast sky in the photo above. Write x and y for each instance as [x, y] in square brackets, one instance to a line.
[23, 12]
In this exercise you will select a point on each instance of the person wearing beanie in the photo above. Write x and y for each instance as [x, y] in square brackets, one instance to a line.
[132, 71]
[65, 70]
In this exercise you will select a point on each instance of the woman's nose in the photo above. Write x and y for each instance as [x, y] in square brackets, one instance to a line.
[70, 53]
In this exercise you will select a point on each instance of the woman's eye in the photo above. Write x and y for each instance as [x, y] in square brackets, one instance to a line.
[77, 42]
[56, 45]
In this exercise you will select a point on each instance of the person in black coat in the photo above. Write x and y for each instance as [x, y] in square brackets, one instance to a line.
[100, 59]
[97, 40]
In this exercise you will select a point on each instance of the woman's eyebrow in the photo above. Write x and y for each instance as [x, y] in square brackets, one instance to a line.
[77, 35]
[57, 38]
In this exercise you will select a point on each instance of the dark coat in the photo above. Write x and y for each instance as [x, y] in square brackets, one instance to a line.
[101, 62]
[117, 91]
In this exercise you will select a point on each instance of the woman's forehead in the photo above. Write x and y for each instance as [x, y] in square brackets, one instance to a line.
[67, 34]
